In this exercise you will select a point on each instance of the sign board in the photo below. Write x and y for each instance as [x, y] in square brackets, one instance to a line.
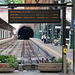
[34, 16]
[59, 27]
[74, 26]
[65, 49]
[74, 23]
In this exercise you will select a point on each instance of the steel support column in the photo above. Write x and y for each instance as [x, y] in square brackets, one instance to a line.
[74, 53]
[55, 32]
[73, 17]
[40, 32]
[0, 33]
[47, 29]
[71, 30]
[64, 39]
[50, 32]
[62, 1]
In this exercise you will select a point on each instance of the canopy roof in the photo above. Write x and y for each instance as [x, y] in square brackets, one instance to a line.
[5, 25]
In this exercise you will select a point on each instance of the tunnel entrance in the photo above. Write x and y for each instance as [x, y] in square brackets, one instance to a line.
[25, 33]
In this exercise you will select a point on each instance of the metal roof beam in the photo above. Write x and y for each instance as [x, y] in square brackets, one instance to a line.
[36, 5]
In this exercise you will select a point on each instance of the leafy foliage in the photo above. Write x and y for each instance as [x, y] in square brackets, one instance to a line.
[60, 60]
[14, 1]
[9, 59]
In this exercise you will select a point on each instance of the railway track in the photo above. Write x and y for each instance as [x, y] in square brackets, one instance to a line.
[30, 55]
[27, 53]
[9, 49]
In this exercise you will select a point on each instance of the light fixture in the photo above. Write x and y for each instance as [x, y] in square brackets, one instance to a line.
[11, 2]
[37, 1]
[40, 31]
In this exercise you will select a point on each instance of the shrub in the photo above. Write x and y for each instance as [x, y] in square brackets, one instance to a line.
[59, 60]
[12, 60]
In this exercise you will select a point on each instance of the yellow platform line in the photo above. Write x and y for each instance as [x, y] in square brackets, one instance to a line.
[53, 51]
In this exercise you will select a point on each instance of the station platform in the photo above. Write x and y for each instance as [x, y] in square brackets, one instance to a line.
[5, 40]
[54, 50]
[32, 73]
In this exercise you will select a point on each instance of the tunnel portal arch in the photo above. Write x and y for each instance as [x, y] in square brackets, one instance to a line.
[25, 33]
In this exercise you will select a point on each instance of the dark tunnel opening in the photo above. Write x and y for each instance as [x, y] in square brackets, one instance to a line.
[25, 33]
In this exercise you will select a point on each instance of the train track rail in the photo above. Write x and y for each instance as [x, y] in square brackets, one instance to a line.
[30, 55]
[26, 52]
[9, 49]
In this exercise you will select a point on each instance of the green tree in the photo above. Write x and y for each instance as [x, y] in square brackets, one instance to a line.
[14, 1]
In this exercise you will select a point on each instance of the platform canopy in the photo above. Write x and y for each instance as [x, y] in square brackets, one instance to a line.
[5, 25]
